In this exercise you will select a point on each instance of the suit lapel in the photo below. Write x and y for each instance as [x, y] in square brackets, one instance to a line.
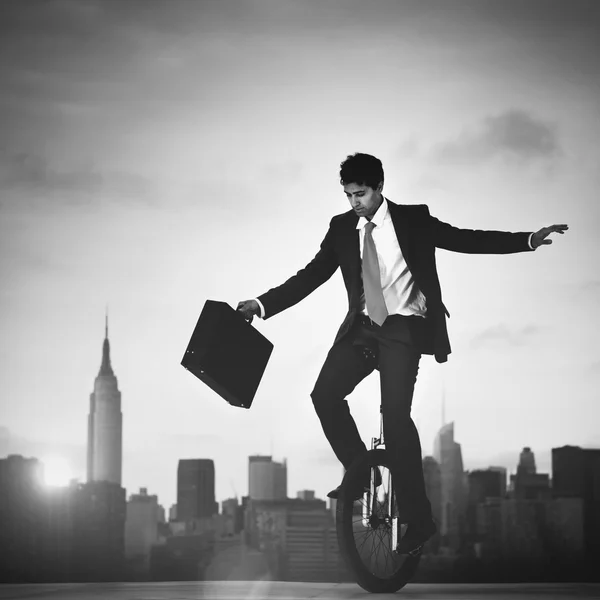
[351, 249]
[402, 233]
[353, 243]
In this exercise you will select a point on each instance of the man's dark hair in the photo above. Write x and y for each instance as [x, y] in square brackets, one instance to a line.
[362, 169]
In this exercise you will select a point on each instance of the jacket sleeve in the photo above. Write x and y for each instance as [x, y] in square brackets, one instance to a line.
[477, 241]
[305, 281]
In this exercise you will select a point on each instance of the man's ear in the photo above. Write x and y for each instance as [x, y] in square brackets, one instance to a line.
[380, 187]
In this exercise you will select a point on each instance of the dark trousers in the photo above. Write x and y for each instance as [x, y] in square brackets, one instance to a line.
[345, 367]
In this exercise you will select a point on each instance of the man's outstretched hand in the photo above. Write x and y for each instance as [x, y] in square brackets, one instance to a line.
[539, 237]
[248, 308]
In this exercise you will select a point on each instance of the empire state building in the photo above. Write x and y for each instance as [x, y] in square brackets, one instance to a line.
[105, 424]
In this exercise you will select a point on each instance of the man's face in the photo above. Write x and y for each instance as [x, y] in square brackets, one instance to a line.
[364, 199]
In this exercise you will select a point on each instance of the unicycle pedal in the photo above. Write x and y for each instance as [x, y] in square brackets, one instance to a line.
[414, 553]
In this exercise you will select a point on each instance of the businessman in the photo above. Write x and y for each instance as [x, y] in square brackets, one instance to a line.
[386, 253]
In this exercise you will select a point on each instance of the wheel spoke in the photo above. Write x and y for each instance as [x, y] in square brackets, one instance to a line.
[369, 528]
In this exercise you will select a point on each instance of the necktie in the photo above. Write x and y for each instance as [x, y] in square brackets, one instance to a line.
[371, 279]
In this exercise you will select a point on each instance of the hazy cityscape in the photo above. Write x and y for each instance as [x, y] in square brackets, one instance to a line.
[157, 154]
[528, 526]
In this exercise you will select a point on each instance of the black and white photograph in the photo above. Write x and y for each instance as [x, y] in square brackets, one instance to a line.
[299, 299]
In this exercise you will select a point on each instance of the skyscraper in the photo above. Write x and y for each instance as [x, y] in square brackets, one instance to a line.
[196, 489]
[142, 520]
[576, 473]
[482, 484]
[433, 488]
[448, 455]
[99, 512]
[105, 424]
[267, 480]
[528, 484]
[526, 462]
[21, 519]
[485, 483]
[574, 470]
[502, 474]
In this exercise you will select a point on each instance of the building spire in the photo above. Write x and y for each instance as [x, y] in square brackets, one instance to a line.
[105, 367]
[443, 404]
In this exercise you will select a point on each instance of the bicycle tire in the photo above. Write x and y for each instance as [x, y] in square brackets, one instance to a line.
[345, 528]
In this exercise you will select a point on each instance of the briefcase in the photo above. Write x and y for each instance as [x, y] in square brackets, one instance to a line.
[227, 353]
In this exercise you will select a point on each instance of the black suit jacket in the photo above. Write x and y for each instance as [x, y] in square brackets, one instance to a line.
[419, 234]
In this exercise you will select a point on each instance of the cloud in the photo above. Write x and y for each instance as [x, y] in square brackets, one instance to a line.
[55, 39]
[514, 134]
[594, 367]
[408, 149]
[559, 38]
[592, 286]
[502, 335]
[31, 172]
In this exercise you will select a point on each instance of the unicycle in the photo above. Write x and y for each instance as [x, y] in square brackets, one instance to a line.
[368, 529]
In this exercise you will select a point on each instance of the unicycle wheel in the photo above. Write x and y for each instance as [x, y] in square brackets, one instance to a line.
[369, 528]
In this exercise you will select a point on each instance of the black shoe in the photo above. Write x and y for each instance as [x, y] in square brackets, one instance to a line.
[335, 493]
[358, 493]
[417, 533]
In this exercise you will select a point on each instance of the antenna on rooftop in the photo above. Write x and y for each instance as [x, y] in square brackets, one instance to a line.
[443, 402]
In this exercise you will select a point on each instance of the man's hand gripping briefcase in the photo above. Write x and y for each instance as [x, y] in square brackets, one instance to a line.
[227, 353]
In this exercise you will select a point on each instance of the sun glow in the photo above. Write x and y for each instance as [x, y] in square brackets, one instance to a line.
[57, 472]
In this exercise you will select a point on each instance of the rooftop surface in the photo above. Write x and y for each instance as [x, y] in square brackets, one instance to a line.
[262, 590]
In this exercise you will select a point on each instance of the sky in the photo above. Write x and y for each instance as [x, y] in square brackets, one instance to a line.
[155, 155]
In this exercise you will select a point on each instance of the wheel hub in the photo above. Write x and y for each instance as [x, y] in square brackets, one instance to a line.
[375, 521]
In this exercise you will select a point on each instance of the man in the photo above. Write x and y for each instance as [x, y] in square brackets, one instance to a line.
[386, 253]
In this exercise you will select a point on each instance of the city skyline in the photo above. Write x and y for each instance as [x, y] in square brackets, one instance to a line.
[106, 370]
[59, 465]
[526, 464]
[158, 155]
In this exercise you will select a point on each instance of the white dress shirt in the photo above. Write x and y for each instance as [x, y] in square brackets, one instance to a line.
[400, 292]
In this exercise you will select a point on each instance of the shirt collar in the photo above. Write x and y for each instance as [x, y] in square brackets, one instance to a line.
[378, 218]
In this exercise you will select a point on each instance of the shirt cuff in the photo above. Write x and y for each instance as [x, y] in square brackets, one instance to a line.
[529, 241]
[262, 308]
